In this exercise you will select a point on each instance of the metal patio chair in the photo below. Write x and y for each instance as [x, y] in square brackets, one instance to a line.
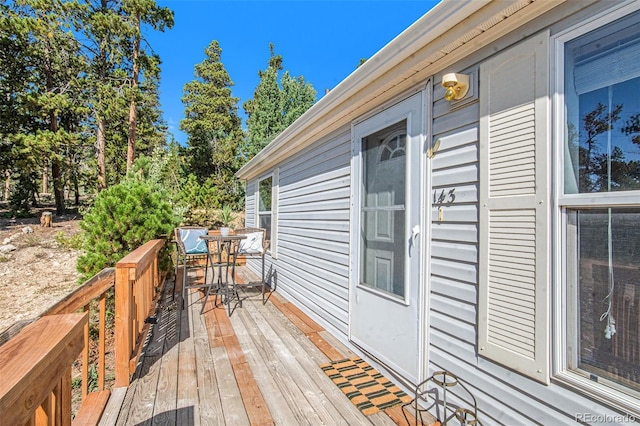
[255, 246]
[190, 248]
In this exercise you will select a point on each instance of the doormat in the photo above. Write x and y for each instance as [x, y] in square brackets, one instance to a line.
[365, 387]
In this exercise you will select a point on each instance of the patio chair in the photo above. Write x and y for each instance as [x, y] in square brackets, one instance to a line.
[255, 246]
[190, 248]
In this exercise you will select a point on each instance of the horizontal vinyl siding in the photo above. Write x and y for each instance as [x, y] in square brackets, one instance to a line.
[313, 230]
[504, 397]
[452, 318]
[454, 277]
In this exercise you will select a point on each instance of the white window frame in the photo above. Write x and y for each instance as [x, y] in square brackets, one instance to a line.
[274, 208]
[563, 313]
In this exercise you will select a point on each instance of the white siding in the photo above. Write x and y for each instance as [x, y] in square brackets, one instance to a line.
[313, 230]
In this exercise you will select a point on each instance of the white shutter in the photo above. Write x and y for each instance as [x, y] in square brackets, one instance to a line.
[514, 202]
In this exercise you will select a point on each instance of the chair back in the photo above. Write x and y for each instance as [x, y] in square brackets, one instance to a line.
[254, 243]
[189, 241]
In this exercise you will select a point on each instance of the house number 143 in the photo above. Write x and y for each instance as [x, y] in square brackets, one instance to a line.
[445, 197]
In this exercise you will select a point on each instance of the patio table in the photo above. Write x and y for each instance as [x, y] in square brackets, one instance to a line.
[216, 244]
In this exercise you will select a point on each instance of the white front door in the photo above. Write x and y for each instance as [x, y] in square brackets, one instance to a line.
[386, 235]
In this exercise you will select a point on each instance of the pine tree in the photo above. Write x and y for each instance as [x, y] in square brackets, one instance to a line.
[124, 217]
[275, 105]
[211, 120]
[125, 107]
[140, 12]
[51, 103]
[104, 33]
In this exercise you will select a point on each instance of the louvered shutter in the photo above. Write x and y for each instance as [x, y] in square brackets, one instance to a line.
[514, 208]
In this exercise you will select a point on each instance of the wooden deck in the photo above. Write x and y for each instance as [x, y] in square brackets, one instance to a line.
[258, 367]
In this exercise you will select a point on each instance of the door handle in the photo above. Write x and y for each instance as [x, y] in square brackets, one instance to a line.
[415, 231]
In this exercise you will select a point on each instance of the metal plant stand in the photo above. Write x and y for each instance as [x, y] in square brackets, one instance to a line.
[444, 394]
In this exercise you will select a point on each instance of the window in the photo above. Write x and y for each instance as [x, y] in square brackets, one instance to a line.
[604, 245]
[393, 146]
[600, 204]
[265, 194]
[382, 252]
[602, 79]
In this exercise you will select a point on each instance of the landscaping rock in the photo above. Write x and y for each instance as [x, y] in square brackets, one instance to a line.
[8, 248]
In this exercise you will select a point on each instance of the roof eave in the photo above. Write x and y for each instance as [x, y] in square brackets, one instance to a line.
[448, 18]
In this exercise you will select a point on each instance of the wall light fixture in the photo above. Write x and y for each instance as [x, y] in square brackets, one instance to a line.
[457, 86]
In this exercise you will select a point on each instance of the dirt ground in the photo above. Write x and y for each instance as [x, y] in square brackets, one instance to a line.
[42, 268]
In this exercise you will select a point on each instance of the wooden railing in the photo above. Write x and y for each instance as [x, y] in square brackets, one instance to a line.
[136, 281]
[95, 288]
[35, 367]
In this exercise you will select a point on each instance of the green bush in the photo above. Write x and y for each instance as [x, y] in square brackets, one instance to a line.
[72, 242]
[124, 217]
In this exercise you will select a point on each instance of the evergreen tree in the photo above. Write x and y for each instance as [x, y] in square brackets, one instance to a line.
[67, 86]
[124, 217]
[14, 79]
[51, 103]
[296, 98]
[123, 82]
[275, 105]
[152, 129]
[104, 34]
[211, 120]
[147, 13]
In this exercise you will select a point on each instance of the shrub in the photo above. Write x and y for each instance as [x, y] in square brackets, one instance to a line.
[72, 242]
[124, 217]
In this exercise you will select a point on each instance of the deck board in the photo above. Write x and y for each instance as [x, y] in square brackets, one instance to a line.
[210, 406]
[258, 367]
[164, 410]
[187, 404]
[285, 371]
[322, 394]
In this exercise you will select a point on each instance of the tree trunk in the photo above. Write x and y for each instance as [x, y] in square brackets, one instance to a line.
[53, 126]
[45, 177]
[102, 125]
[76, 189]
[7, 185]
[57, 187]
[100, 142]
[131, 143]
[46, 220]
[55, 170]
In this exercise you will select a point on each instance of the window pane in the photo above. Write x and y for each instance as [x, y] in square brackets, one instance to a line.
[608, 248]
[265, 195]
[602, 82]
[383, 212]
[265, 222]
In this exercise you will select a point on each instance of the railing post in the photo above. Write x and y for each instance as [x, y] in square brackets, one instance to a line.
[123, 326]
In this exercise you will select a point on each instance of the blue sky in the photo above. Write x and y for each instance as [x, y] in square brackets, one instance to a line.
[322, 41]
